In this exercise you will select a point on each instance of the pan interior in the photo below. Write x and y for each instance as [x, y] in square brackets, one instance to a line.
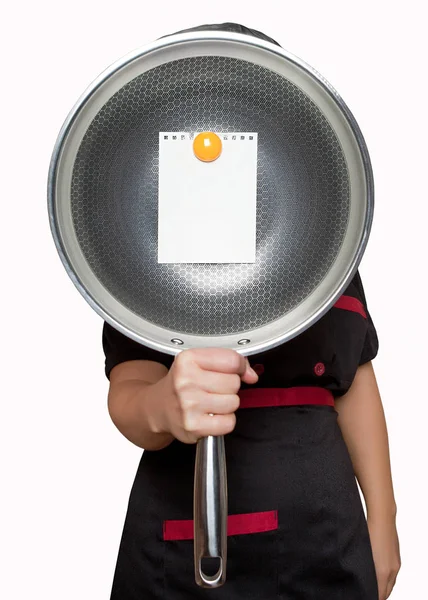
[303, 195]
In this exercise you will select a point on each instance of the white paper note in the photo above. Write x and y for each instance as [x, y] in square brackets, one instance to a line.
[207, 210]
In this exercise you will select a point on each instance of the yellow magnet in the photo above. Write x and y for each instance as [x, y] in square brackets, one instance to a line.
[207, 146]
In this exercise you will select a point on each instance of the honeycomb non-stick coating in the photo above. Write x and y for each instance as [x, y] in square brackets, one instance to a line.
[303, 195]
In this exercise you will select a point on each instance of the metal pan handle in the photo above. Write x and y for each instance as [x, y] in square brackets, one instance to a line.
[210, 509]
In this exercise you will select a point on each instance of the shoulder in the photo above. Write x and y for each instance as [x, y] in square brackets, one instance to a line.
[353, 298]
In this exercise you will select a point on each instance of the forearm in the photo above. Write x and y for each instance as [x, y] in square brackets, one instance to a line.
[133, 406]
[362, 422]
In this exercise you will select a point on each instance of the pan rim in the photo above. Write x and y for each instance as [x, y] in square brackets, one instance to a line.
[158, 339]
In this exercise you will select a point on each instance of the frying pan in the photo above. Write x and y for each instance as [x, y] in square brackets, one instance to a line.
[314, 211]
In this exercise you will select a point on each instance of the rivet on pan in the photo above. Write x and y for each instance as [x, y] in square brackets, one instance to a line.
[177, 341]
[243, 342]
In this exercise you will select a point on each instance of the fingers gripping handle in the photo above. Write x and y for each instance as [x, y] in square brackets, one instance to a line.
[210, 509]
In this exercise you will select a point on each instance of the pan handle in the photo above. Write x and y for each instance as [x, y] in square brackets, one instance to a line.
[210, 509]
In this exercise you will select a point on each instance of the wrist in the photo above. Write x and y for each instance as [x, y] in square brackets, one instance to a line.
[154, 407]
[382, 511]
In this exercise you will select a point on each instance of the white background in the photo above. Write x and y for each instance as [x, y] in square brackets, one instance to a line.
[66, 471]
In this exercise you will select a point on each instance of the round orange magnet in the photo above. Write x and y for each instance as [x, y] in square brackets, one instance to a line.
[207, 146]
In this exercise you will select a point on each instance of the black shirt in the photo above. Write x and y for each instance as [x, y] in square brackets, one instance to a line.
[327, 354]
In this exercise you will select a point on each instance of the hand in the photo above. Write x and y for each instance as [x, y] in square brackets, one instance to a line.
[386, 553]
[202, 392]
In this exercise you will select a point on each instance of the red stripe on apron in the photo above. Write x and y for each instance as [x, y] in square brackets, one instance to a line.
[350, 303]
[256, 522]
[262, 397]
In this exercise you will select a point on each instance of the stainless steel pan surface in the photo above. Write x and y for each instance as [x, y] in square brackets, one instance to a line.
[314, 210]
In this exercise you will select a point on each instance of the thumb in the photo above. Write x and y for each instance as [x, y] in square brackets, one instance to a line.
[250, 376]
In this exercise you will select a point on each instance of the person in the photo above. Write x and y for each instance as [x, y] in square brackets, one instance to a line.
[303, 422]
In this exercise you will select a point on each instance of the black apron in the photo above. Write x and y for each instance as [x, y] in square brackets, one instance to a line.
[296, 525]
